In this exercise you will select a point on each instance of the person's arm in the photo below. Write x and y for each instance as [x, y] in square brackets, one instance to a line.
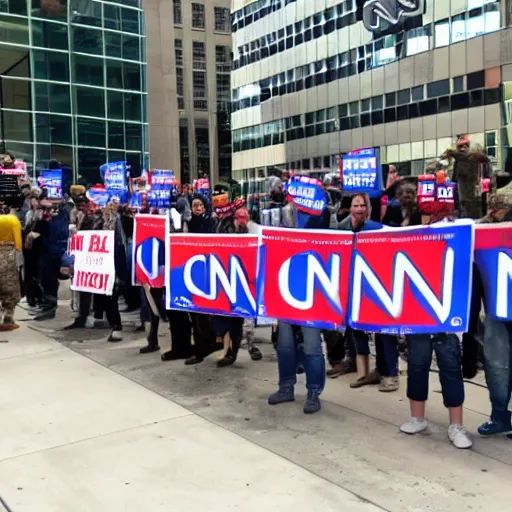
[16, 233]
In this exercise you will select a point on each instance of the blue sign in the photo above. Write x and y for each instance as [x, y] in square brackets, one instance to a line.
[52, 181]
[308, 195]
[114, 178]
[99, 196]
[362, 172]
[163, 189]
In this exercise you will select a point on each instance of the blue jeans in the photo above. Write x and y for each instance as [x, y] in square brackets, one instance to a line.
[498, 367]
[288, 358]
[386, 347]
[449, 359]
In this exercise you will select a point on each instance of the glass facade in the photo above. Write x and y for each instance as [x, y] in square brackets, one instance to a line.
[72, 84]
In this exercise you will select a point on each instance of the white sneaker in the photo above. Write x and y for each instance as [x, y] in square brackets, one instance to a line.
[415, 426]
[459, 437]
[115, 336]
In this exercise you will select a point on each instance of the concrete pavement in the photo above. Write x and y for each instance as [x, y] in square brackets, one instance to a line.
[353, 443]
[77, 436]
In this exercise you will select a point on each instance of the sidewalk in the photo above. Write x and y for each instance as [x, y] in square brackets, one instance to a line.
[76, 436]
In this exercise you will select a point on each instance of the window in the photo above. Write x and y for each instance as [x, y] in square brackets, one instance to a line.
[51, 97]
[178, 51]
[179, 82]
[476, 80]
[222, 19]
[458, 28]
[199, 84]
[418, 40]
[47, 35]
[458, 84]
[87, 40]
[91, 132]
[403, 97]
[53, 129]
[203, 148]
[442, 33]
[198, 55]
[176, 9]
[90, 102]
[88, 70]
[418, 93]
[198, 16]
[51, 65]
[440, 88]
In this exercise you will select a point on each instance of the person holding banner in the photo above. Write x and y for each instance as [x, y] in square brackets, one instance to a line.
[447, 347]
[301, 345]
[498, 339]
[203, 332]
[357, 342]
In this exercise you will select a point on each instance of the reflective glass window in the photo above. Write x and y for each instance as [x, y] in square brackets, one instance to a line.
[49, 35]
[86, 12]
[53, 129]
[116, 135]
[88, 70]
[51, 65]
[87, 40]
[91, 132]
[15, 94]
[90, 101]
[13, 30]
[52, 97]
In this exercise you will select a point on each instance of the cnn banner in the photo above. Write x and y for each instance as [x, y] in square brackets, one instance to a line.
[304, 276]
[493, 256]
[414, 280]
[148, 251]
[94, 267]
[212, 274]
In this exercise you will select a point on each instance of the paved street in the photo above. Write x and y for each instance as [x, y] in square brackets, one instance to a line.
[92, 426]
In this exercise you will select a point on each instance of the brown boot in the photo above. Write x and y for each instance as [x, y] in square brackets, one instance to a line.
[346, 366]
[367, 380]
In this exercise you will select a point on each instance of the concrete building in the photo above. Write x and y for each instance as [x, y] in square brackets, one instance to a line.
[188, 80]
[314, 80]
[72, 87]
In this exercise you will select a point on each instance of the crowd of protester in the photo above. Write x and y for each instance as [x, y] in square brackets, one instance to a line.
[39, 230]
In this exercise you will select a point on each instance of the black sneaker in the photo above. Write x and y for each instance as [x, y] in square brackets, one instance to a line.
[45, 314]
[148, 349]
[193, 360]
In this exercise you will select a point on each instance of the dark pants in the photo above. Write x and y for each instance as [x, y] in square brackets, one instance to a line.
[386, 347]
[335, 344]
[32, 288]
[49, 270]
[231, 325]
[204, 334]
[449, 358]
[144, 313]
[498, 367]
[110, 303]
[358, 344]
[181, 328]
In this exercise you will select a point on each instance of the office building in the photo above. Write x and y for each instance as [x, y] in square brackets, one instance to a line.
[72, 84]
[315, 80]
[189, 64]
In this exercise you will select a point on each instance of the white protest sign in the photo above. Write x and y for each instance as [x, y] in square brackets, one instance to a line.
[94, 267]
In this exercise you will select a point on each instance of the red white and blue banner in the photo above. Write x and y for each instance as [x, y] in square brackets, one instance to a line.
[493, 256]
[304, 276]
[212, 274]
[361, 172]
[414, 280]
[148, 254]
[307, 194]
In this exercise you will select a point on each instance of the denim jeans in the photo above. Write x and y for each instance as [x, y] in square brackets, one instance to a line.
[386, 347]
[449, 358]
[498, 367]
[288, 357]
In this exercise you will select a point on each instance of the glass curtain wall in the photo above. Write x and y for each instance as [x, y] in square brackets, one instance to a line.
[72, 84]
